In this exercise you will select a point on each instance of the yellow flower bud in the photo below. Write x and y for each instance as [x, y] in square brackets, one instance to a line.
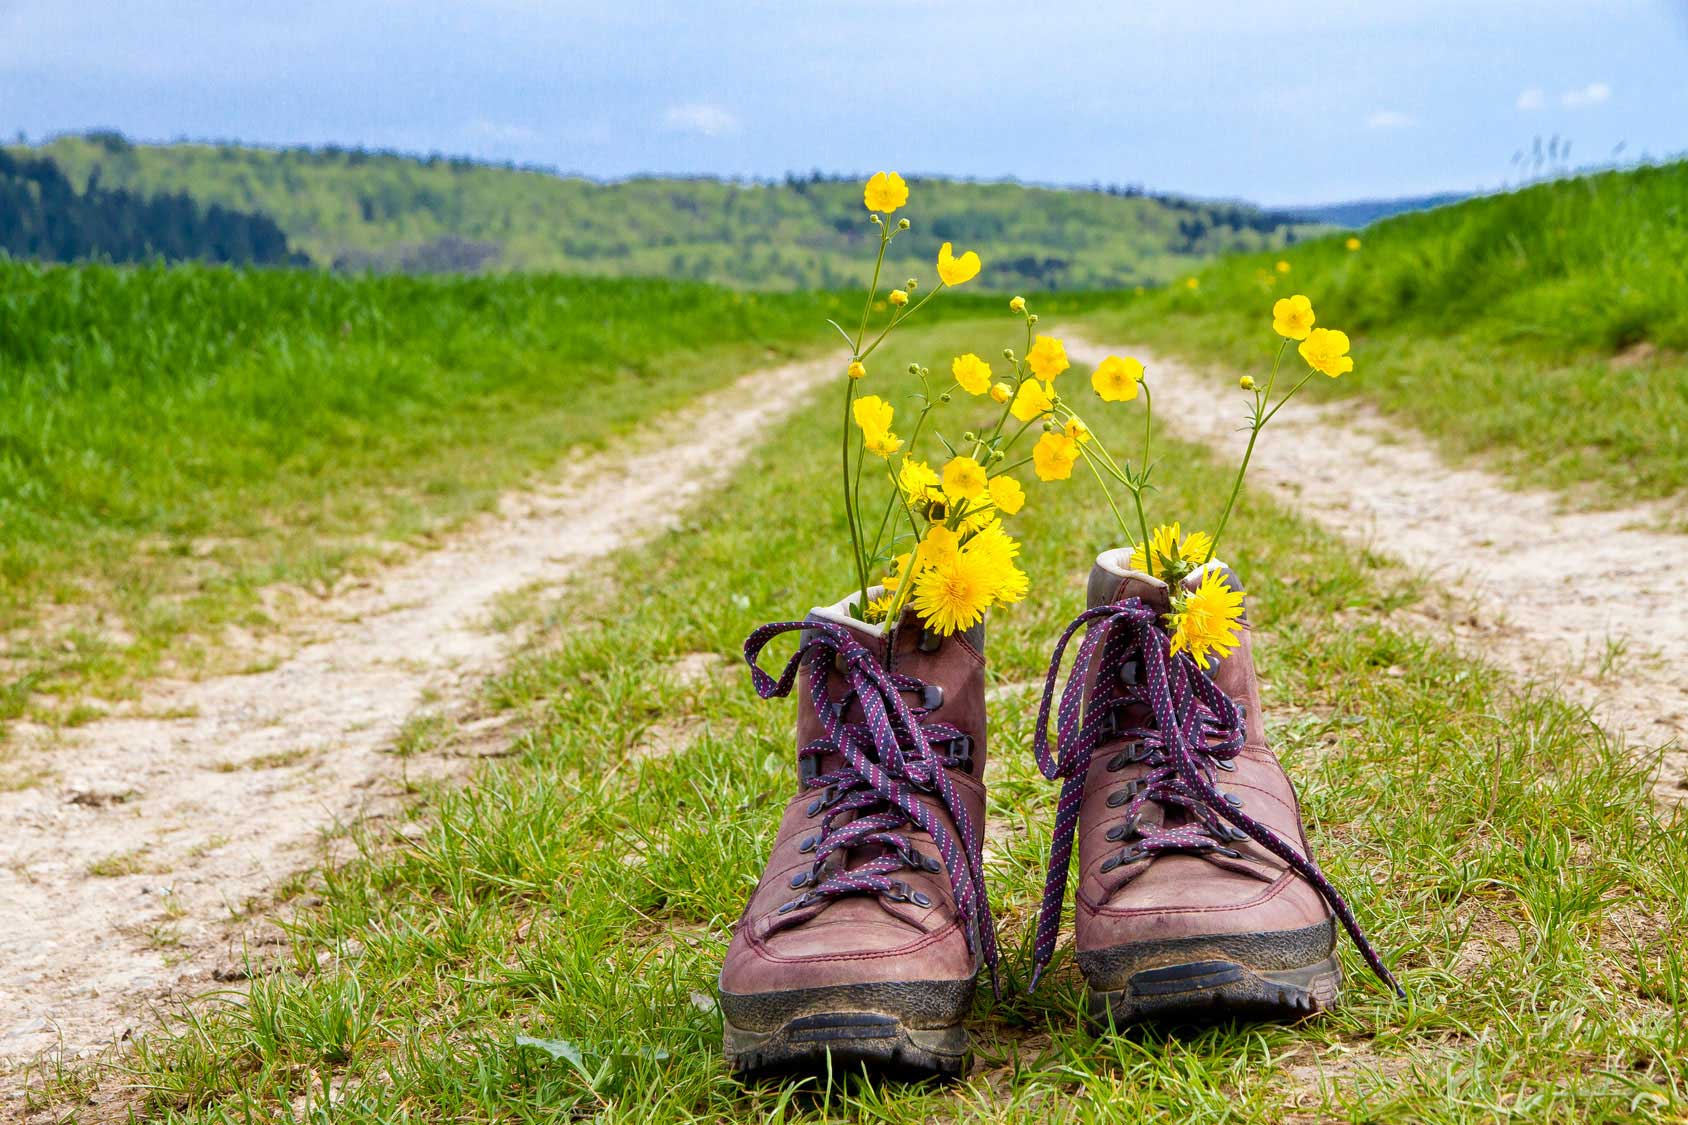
[898, 298]
[1001, 392]
[1246, 382]
[856, 370]
[1008, 354]
[1032, 319]
[902, 224]
[912, 284]
[1018, 304]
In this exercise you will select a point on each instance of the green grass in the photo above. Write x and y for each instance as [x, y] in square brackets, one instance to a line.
[1542, 331]
[172, 440]
[1502, 852]
[396, 212]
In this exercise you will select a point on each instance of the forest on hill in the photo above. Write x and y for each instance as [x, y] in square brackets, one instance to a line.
[353, 209]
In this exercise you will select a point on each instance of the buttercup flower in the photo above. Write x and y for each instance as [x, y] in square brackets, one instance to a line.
[1077, 430]
[1001, 391]
[1017, 304]
[1054, 455]
[1048, 358]
[856, 370]
[1031, 401]
[1168, 542]
[885, 192]
[973, 373]
[1283, 266]
[1352, 243]
[1116, 379]
[873, 415]
[955, 271]
[1292, 317]
[953, 595]
[964, 479]
[939, 546]
[1192, 283]
[1007, 495]
[898, 297]
[1326, 350]
[1205, 620]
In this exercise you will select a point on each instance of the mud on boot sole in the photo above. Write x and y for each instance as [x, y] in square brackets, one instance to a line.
[1287, 975]
[911, 1030]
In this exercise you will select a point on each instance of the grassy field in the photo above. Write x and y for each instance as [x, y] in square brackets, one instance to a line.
[171, 440]
[1543, 330]
[1502, 852]
[394, 212]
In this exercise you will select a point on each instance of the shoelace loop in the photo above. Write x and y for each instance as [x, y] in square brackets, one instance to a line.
[888, 761]
[1196, 727]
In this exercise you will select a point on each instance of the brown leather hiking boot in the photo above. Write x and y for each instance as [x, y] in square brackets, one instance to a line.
[1197, 893]
[864, 938]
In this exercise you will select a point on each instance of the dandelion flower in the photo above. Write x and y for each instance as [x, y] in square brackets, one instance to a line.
[1292, 317]
[885, 192]
[998, 550]
[1168, 542]
[1048, 358]
[953, 595]
[964, 479]
[1032, 401]
[1326, 350]
[1352, 243]
[1007, 495]
[1282, 266]
[1192, 283]
[1054, 455]
[879, 608]
[916, 477]
[1116, 379]
[955, 271]
[1205, 619]
[973, 373]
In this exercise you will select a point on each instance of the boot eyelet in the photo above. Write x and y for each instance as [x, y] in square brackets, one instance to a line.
[1231, 852]
[1115, 834]
[1132, 854]
[799, 880]
[809, 844]
[787, 907]
[930, 863]
[1117, 798]
[932, 697]
[1131, 672]
[1233, 800]
[930, 641]
[920, 898]
[1225, 764]
[1110, 863]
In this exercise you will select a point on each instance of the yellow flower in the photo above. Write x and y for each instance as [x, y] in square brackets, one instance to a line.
[955, 271]
[1031, 401]
[899, 571]
[1054, 455]
[1205, 619]
[1326, 350]
[973, 373]
[1017, 304]
[882, 443]
[964, 479]
[1352, 243]
[878, 608]
[1077, 430]
[939, 546]
[1292, 317]
[1282, 266]
[898, 297]
[954, 595]
[998, 550]
[1007, 495]
[1001, 391]
[1246, 382]
[1168, 542]
[1048, 358]
[856, 370]
[873, 413]
[885, 192]
[1192, 283]
[1116, 379]
[916, 477]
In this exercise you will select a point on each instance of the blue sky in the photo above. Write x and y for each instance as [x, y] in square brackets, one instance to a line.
[1276, 102]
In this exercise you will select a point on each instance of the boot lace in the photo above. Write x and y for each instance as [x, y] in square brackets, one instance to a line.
[1194, 729]
[889, 760]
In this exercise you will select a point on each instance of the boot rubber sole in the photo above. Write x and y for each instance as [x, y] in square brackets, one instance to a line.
[1282, 975]
[904, 1029]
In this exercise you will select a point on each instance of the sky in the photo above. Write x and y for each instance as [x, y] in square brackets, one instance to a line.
[1275, 102]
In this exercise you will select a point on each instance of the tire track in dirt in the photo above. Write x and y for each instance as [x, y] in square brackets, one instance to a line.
[128, 879]
[1593, 602]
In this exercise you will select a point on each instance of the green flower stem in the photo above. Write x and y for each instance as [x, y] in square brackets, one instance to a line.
[1254, 435]
[849, 505]
[1125, 529]
[897, 320]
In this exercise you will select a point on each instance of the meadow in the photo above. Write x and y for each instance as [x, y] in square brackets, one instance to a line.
[1500, 848]
[1544, 331]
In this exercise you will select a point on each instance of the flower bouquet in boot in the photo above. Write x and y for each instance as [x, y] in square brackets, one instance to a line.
[869, 927]
[1197, 894]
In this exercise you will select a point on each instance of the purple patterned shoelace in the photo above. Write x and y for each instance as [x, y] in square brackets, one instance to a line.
[888, 761]
[1195, 729]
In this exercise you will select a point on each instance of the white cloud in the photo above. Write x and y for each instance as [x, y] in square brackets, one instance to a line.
[701, 118]
[1583, 97]
[1531, 99]
[1390, 119]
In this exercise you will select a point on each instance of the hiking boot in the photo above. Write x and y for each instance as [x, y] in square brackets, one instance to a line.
[865, 936]
[1198, 896]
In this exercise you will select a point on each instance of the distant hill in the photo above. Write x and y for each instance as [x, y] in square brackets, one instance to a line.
[1364, 212]
[357, 210]
[43, 216]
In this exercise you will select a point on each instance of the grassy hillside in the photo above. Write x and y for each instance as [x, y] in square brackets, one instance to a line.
[1543, 329]
[393, 212]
